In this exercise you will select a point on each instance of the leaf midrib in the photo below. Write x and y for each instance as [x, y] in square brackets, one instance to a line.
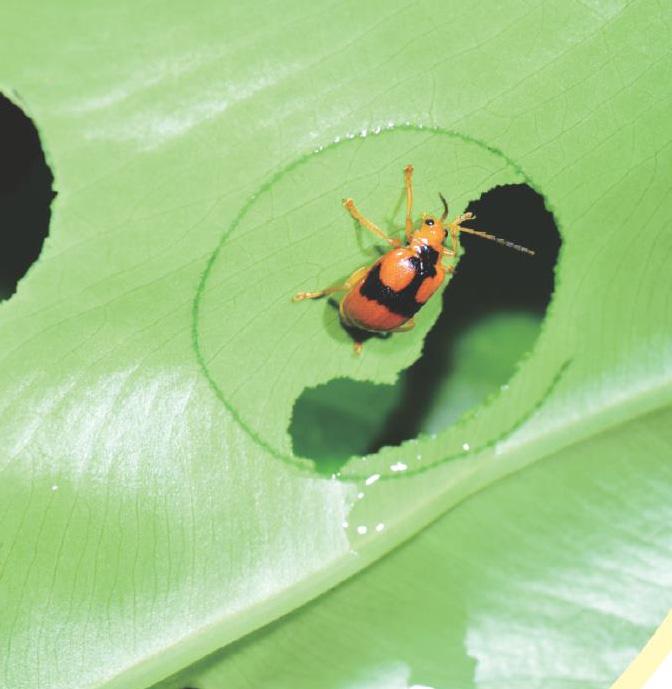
[192, 647]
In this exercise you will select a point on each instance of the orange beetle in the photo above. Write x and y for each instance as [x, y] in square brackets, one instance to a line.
[384, 297]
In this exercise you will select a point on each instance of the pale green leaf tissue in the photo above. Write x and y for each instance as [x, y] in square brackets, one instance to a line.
[152, 509]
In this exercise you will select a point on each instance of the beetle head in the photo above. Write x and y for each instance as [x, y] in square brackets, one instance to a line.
[432, 230]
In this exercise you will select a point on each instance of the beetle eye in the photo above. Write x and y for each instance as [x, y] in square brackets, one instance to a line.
[429, 221]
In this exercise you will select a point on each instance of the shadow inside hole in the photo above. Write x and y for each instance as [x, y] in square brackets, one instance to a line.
[491, 316]
[25, 196]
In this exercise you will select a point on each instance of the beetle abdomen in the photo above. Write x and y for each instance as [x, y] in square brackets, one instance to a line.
[359, 312]
[393, 290]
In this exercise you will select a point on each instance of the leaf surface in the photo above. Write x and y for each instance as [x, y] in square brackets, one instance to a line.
[152, 508]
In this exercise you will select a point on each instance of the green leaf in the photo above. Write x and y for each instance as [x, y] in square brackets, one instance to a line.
[481, 359]
[552, 578]
[152, 507]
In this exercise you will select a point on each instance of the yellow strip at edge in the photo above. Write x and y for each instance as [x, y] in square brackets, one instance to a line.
[652, 656]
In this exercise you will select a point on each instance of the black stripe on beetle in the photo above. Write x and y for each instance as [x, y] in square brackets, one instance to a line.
[403, 302]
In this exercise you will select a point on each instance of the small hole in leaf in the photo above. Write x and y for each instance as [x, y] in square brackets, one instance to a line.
[492, 314]
[25, 196]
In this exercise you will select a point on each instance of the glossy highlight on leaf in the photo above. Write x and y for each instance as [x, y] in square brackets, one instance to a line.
[149, 515]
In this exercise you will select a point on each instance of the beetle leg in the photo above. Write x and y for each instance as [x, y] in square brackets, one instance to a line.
[347, 285]
[463, 218]
[349, 205]
[408, 181]
[408, 325]
[456, 228]
[357, 276]
[453, 232]
[448, 253]
[300, 296]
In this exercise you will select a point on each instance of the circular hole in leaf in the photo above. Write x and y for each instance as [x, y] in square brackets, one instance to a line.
[491, 316]
[25, 196]
[261, 351]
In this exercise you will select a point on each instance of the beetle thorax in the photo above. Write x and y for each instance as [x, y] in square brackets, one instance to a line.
[430, 233]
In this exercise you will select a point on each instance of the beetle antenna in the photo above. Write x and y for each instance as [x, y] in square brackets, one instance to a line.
[445, 207]
[491, 237]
